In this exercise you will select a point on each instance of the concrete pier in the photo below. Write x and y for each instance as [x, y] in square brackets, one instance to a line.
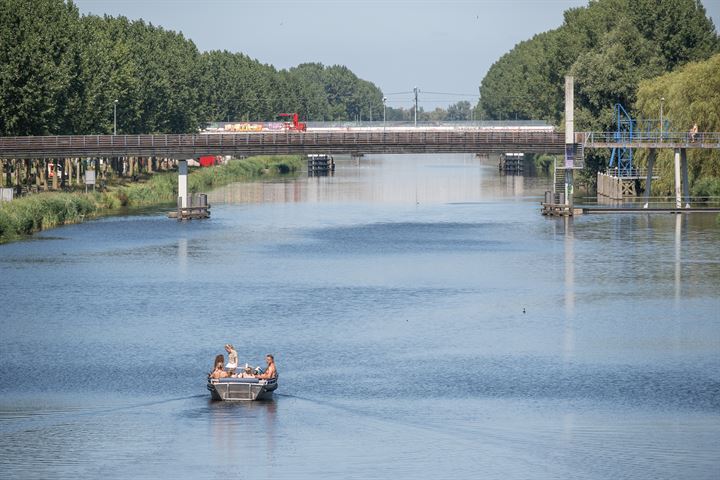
[569, 139]
[196, 207]
[652, 155]
[682, 185]
[182, 184]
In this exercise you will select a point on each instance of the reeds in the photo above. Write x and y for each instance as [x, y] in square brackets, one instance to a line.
[27, 215]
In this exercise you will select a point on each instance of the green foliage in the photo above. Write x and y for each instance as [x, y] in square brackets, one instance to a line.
[459, 111]
[236, 170]
[38, 212]
[36, 65]
[610, 46]
[521, 85]
[543, 162]
[706, 188]
[343, 96]
[60, 73]
[692, 95]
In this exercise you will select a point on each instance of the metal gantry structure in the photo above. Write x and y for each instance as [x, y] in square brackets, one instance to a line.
[622, 156]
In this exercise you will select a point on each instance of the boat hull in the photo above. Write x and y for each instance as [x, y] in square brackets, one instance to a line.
[241, 389]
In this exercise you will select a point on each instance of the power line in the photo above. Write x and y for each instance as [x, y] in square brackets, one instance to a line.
[452, 94]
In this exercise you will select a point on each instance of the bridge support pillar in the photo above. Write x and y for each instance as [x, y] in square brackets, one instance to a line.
[183, 183]
[569, 188]
[569, 139]
[682, 186]
[648, 179]
[678, 201]
[685, 180]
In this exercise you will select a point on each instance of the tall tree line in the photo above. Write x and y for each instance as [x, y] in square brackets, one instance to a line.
[61, 72]
[610, 46]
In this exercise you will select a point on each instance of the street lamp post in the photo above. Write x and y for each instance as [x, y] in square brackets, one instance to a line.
[662, 101]
[384, 105]
[115, 117]
[479, 105]
[416, 103]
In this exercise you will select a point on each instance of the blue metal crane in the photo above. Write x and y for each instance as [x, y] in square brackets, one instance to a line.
[622, 157]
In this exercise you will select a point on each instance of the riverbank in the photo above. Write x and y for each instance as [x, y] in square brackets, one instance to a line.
[27, 215]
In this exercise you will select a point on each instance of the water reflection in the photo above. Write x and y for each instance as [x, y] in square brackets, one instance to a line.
[417, 179]
[611, 373]
[678, 258]
[243, 429]
[182, 255]
[569, 258]
[515, 186]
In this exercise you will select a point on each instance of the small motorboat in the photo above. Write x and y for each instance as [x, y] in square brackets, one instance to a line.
[241, 389]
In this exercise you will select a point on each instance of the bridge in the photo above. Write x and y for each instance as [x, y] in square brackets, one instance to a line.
[620, 181]
[339, 141]
[702, 140]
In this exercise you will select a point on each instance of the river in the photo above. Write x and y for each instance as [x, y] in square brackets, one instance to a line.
[426, 321]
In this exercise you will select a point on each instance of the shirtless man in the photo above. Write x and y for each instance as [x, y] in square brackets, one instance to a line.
[693, 132]
[270, 371]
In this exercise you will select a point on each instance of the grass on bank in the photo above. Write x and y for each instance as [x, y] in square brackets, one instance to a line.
[27, 215]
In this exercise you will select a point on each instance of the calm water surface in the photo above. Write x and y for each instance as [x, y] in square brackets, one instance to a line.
[426, 322]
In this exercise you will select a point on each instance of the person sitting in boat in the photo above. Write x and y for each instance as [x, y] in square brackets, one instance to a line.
[219, 369]
[244, 372]
[270, 371]
[232, 358]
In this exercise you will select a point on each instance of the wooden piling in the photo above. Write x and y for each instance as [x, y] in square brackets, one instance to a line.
[194, 207]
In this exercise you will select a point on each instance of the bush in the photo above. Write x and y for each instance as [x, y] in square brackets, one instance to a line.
[707, 187]
[24, 216]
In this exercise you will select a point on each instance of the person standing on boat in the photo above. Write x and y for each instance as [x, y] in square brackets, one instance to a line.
[270, 371]
[232, 358]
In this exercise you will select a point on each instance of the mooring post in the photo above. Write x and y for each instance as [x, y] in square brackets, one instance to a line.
[569, 138]
[685, 182]
[648, 179]
[182, 183]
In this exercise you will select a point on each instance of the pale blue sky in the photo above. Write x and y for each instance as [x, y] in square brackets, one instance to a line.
[438, 46]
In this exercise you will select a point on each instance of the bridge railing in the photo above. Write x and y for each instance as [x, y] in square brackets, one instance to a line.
[629, 173]
[677, 138]
[376, 141]
[231, 139]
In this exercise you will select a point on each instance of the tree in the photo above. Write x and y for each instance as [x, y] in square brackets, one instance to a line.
[61, 73]
[36, 65]
[459, 111]
[692, 95]
[610, 46]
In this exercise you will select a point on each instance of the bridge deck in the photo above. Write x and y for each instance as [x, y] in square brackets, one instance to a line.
[189, 145]
[421, 140]
[602, 209]
[706, 140]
